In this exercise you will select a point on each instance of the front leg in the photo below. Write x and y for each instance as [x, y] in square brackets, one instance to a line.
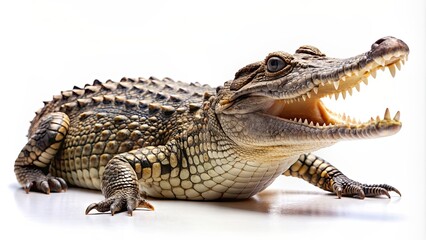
[322, 174]
[32, 164]
[120, 188]
[120, 184]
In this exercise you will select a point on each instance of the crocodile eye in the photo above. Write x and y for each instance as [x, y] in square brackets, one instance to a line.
[275, 64]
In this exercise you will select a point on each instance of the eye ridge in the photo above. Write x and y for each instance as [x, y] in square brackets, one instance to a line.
[275, 64]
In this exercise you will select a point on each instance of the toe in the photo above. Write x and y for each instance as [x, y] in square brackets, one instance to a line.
[43, 186]
[116, 206]
[54, 185]
[28, 185]
[64, 185]
[337, 188]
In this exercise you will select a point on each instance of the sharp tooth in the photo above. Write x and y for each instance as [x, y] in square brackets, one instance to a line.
[336, 96]
[380, 61]
[316, 81]
[315, 90]
[344, 94]
[324, 125]
[330, 96]
[300, 120]
[343, 78]
[358, 87]
[373, 73]
[295, 120]
[317, 125]
[348, 74]
[304, 97]
[336, 84]
[311, 124]
[372, 119]
[377, 119]
[397, 116]
[306, 122]
[402, 61]
[350, 91]
[322, 83]
[387, 115]
[392, 70]
[365, 81]
[398, 65]
[308, 94]
[387, 57]
[358, 73]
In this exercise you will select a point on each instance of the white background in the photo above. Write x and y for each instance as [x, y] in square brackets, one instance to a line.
[49, 46]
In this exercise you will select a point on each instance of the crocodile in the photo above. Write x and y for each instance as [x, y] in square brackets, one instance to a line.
[148, 137]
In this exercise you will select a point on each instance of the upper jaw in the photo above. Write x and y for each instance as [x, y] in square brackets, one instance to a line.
[322, 76]
[346, 75]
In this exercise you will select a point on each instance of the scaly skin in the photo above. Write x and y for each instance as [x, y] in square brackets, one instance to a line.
[170, 139]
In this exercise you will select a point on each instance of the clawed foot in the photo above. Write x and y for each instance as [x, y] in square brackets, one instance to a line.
[116, 204]
[343, 186]
[47, 185]
[33, 179]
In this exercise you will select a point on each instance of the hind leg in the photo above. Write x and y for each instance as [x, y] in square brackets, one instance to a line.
[318, 172]
[32, 164]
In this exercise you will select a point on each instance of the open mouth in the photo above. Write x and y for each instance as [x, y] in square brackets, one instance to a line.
[308, 109]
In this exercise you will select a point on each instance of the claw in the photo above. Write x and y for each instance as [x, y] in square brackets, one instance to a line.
[115, 205]
[28, 187]
[390, 188]
[396, 190]
[147, 205]
[385, 192]
[54, 185]
[131, 205]
[130, 212]
[91, 207]
[44, 187]
[64, 185]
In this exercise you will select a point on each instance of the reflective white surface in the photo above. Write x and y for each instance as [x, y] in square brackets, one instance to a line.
[282, 211]
[49, 46]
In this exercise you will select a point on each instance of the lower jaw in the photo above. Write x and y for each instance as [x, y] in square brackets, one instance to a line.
[313, 113]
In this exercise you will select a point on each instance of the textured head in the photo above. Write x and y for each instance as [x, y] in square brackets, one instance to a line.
[277, 101]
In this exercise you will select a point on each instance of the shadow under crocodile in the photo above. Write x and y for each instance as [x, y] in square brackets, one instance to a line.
[313, 204]
[272, 202]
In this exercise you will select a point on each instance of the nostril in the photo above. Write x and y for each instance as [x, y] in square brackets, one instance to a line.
[378, 42]
[382, 40]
